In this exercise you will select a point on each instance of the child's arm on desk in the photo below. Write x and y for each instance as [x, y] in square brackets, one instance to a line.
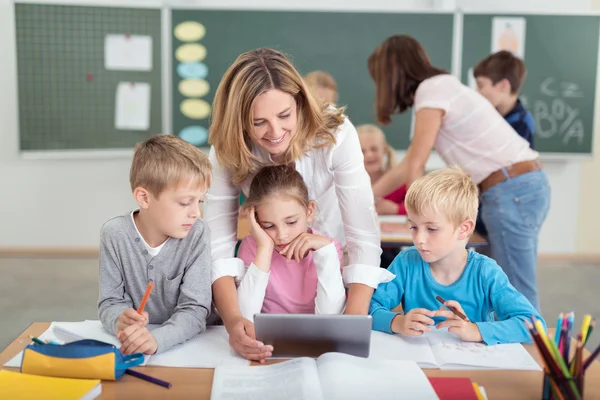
[510, 306]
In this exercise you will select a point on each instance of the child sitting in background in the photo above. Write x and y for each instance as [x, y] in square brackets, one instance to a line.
[379, 157]
[165, 242]
[287, 267]
[442, 207]
[322, 85]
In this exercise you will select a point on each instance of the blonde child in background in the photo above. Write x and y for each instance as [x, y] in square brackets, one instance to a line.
[442, 207]
[287, 267]
[379, 157]
[322, 85]
[163, 241]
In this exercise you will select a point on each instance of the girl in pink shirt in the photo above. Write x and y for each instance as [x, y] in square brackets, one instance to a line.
[290, 268]
[380, 157]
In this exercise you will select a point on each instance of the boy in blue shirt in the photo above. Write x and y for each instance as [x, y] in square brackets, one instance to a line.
[441, 208]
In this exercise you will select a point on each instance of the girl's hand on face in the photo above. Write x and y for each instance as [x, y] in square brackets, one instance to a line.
[298, 248]
[263, 240]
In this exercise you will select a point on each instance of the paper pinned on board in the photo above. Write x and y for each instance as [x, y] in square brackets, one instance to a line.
[128, 52]
[132, 106]
[509, 34]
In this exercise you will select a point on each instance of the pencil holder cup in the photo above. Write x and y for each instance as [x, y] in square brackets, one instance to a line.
[563, 385]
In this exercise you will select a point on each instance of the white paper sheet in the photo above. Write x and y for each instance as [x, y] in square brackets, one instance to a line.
[132, 106]
[206, 350]
[128, 52]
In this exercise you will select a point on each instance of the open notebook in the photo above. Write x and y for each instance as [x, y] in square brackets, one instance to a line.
[332, 376]
[206, 350]
[441, 349]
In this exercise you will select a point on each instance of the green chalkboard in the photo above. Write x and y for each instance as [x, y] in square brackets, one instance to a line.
[66, 96]
[561, 54]
[339, 43]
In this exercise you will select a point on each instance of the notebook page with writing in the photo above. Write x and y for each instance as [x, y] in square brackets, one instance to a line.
[205, 350]
[396, 347]
[346, 377]
[296, 379]
[452, 353]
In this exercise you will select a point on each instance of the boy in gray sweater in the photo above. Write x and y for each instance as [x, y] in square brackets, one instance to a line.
[164, 242]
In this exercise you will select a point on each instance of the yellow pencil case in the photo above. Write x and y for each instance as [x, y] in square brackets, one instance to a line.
[83, 359]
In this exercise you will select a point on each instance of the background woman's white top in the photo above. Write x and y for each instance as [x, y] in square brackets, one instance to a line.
[336, 180]
[473, 134]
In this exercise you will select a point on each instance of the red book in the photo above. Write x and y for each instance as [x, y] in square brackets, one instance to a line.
[453, 388]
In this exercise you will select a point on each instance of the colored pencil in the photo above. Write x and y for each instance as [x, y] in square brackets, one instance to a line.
[589, 333]
[140, 309]
[36, 340]
[454, 310]
[585, 325]
[148, 378]
[559, 324]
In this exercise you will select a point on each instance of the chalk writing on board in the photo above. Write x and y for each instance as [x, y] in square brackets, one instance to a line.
[554, 115]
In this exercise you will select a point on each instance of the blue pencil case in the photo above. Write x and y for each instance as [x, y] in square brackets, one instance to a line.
[83, 359]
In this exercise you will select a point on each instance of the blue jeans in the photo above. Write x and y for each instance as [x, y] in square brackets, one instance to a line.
[513, 212]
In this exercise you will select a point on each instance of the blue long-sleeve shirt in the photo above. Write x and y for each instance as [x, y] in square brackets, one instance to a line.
[482, 290]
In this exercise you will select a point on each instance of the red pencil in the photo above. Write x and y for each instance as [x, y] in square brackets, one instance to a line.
[140, 309]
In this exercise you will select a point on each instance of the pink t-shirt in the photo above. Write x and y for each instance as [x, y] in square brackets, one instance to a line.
[292, 286]
[473, 134]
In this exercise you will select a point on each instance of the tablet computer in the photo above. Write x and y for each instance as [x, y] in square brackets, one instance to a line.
[310, 335]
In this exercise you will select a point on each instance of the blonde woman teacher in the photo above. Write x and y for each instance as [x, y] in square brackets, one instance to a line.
[465, 130]
[263, 113]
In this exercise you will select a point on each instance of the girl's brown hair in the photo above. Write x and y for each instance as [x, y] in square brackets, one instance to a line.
[398, 66]
[252, 74]
[274, 180]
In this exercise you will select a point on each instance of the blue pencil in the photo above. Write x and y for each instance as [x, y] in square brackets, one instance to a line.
[559, 323]
[148, 378]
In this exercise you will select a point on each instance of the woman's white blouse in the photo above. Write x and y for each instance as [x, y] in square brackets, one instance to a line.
[336, 180]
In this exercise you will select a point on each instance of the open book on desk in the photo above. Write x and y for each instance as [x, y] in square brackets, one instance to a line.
[332, 376]
[443, 350]
[205, 350]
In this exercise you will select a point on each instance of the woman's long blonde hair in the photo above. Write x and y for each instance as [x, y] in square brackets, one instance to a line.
[390, 153]
[252, 74]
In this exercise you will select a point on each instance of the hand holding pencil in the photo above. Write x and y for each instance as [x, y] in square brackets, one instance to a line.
[457, 322]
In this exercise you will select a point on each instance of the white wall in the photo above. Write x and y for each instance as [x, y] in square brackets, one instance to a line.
[62, 203]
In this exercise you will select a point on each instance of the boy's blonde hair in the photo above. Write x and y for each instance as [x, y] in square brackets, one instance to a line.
[321, 79]
[390, 153]
[166, 160]
[252, 74]
[447, 191]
